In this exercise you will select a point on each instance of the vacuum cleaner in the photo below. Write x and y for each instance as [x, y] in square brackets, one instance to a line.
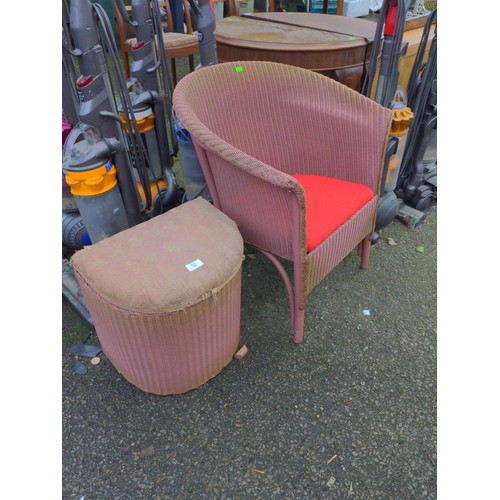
[206, 31]
[417, 181]
[95, 157]
[150, 91]
[118, 157]
[194, 179]
[408, 186]
[141, 72]
[122, 121]
[388, 42]
[105, 156]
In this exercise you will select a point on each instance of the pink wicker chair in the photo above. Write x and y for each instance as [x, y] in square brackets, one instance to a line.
[263, 133]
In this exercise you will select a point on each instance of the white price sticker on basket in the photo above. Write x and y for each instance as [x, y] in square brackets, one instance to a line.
[194, 265]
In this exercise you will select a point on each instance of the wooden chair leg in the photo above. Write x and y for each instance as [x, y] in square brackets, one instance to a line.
[191, 63]
[366, 245]
[174, 72]
[126, 64]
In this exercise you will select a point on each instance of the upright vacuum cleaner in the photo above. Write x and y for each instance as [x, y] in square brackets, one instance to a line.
[150, 94]
[389, 35]
[129, 118]
[407, 189]
[96, 162]
[146, 21]
[417, 181]
[73, 228]
[95, 159]
[117, 159]
[194, 179]
[206, 31]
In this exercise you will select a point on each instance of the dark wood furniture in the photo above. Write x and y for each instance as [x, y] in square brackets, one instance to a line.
[332, 45]
[351, 26]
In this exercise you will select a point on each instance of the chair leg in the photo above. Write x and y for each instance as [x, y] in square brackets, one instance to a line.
[126, 64]
[174, 72]
[298, 327]
[299, 302]
[286, 281]
[365, 245]
[297, 305]
[191, 64]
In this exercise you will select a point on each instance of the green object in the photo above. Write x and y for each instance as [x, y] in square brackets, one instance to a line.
[420, 249]
[238, 69]
[110, 11]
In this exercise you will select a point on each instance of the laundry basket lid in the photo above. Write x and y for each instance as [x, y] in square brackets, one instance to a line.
[167, 263]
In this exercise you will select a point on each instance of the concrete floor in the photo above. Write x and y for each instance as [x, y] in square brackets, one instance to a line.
[349, 413]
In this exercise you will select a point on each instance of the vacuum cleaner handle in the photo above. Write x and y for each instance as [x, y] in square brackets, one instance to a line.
[392, 148]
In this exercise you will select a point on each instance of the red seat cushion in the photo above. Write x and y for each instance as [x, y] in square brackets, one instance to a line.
[329, 203]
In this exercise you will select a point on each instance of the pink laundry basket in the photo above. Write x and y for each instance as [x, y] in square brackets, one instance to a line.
[165, 297]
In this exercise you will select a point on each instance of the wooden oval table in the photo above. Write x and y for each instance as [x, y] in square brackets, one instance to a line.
[336, 46]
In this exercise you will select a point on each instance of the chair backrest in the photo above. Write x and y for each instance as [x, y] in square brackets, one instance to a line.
[286, 117]
[187, 16]
[256, 123]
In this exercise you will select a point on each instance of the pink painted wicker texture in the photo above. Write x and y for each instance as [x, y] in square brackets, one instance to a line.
[169, 353]
[253, 128]
[165, 328]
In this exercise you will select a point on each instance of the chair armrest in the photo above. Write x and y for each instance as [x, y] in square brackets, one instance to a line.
[250, 192]
[346, 141]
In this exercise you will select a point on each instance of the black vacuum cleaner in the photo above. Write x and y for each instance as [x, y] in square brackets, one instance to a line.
[417, 182]
[409, 186]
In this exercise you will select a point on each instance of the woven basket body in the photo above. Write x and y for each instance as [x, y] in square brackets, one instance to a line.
[165, 297]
